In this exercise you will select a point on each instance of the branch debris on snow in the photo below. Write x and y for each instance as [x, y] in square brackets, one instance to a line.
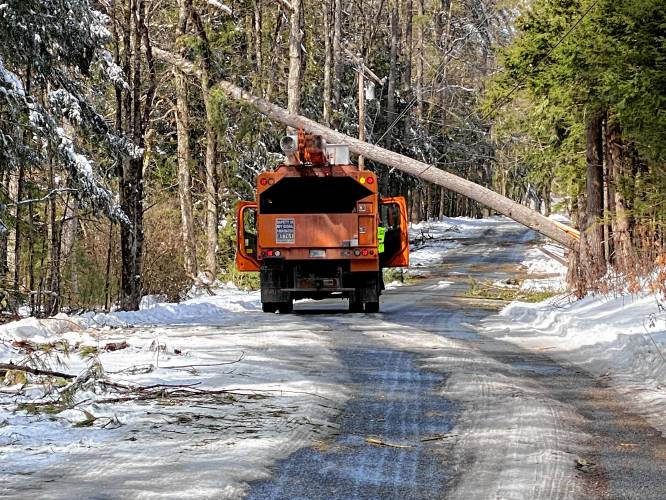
[196, 380]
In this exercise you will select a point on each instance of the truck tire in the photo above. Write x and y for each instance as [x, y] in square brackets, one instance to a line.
[355, 305]
[286, 307]
[269, 307]
[372, 307]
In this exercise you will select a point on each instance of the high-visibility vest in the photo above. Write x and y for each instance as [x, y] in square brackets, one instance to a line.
[381, 233]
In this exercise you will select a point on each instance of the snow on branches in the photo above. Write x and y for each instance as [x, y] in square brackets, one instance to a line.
[52, 47]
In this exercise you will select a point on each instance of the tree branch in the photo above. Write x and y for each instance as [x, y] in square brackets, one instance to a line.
[5, 367]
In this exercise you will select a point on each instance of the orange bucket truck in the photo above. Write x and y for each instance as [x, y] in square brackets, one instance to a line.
[318, 229]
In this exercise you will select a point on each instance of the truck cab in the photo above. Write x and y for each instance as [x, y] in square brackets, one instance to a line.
[318, 229]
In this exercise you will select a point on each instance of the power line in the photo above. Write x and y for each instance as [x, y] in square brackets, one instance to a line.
[411, 103]
[501, 101]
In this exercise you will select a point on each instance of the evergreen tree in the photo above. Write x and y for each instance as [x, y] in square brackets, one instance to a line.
[50, 52]
[594, 72]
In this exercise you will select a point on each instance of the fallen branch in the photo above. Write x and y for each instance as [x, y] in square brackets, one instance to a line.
[5, 367]
[377, 442]
[176, 367]
[437, 438]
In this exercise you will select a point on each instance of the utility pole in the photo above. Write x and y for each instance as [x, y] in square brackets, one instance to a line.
[361, 110]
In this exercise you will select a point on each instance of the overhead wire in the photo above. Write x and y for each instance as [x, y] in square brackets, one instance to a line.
[502, 100]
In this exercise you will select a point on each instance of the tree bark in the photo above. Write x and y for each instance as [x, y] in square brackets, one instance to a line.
[442, 202]
[407, 46]
[52, 302]
[294, 79]
[275, 52]
[107, 271]
[393, 62]
[416, 204]
[17, 231]
[258, 39]
[592, 261]
[183, 131]
[131, 175]
[211, 180]
[328, 63]
[337, 51]
[361, 112]
[625, 257]
[419, 60]
[4, 231]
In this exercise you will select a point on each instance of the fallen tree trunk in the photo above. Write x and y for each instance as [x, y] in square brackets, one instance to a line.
[520, 213]
[430, 173]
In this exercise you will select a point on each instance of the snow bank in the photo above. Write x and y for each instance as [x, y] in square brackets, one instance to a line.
[217, 309]
[621, 338]
[202, 310]
[550, 273]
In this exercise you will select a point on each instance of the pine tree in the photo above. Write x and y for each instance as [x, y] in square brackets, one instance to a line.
[48, 50]
[594, 72]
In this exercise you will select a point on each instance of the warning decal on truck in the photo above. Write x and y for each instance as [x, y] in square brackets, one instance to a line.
[285, 230]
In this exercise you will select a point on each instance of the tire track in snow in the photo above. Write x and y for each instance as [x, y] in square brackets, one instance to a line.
[397, 404]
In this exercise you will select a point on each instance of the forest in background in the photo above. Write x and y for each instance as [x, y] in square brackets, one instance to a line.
[119, 171]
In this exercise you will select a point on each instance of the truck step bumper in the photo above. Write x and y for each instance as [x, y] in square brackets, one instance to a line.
[317, 289]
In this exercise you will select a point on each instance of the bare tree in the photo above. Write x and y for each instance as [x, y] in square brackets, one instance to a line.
[295, 40]
[328, 62]
[337, 50]
[183, 129]
[211, 180]
[137, 105]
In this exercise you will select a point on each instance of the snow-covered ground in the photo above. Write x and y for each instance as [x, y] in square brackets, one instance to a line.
[430, 241]
[620, 338]
[546, 265]
[251, 384]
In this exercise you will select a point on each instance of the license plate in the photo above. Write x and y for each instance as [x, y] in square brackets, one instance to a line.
[318, 253]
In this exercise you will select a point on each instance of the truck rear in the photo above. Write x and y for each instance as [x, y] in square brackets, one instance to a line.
[318, 229]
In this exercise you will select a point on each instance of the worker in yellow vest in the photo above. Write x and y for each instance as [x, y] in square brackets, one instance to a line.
[381, 233]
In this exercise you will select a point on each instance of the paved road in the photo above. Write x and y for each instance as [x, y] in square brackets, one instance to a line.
[441, 411]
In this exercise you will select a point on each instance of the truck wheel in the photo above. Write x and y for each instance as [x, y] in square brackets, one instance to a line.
[372, 307]
[286, 307]
[269, 307]
[355, 305]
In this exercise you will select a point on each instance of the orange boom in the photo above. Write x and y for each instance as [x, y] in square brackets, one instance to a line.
[319, 229]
